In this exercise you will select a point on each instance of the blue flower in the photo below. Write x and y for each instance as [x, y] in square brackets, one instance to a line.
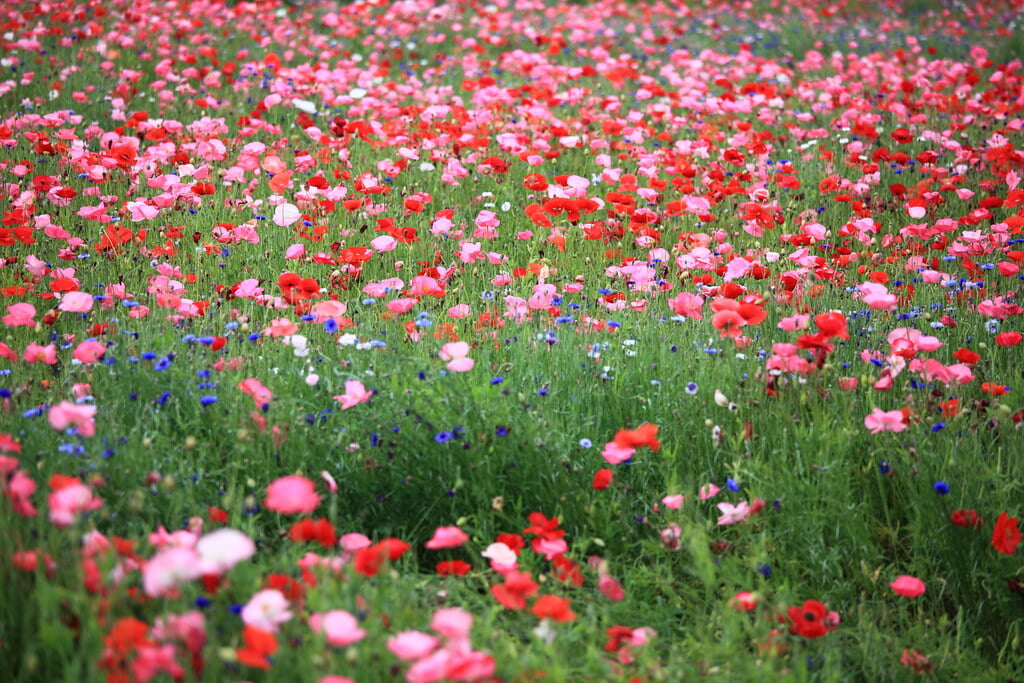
[208, 399]
[443, 437]
[585, 443]
[941, 488]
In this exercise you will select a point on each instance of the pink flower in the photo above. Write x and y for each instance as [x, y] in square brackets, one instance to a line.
[885, 421]
[76, 302]
[292, 495]
[67, 502]
[908, 586]
[456, 353]
[452, 623]
[168, 569]
[708, 491]
[266, 610]
[260, 394]
[340, 627]
[286, 214]
[34, 353]
[731, 514]
[20, 314]
[673, 502]
[410, 645]
[89, 351]
[847, 383]
[615, 454]
[222, 549]
[611, 588]
[66, 414]
[688, 305]
[355, 393]
[447, 537]
[877, 296]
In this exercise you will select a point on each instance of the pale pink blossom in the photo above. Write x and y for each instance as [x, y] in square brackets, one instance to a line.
[885, 421]
[267, 610]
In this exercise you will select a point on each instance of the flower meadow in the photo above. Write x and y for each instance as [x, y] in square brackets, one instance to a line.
[511, 341]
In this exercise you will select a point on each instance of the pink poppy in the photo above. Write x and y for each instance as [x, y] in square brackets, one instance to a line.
[447, 537]
[76, 302]
[65, 414]
[222, 549]
[908, 586]
[286, 214]
[411, 645]
[885, 421]
[35, 353]
[688, 305]
[20, 314]
[355, 393]
[254, 388]
[267, 610]
[457, 356]
[168, 569]
[291, 495]
[89, 351]
[731, 514]
[340, 627]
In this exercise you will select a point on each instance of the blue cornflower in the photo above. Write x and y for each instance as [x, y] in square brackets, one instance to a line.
[941, 488]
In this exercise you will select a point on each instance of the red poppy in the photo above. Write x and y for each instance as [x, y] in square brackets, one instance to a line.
[453, 568]
[602, 478]
[808, 620]
[567, 571]
[1008, 338]
[966, 356]
[1006, 535]
[966, 518]
[644, 435]
[320, 530]
[513, 593]
[259, 644]
[554, 608]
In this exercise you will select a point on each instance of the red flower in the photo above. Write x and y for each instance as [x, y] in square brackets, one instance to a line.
[602, 478]
[513, 593]
[554, 608]
[644, 435]
[320, 530]
[1006, 535]
[259, 644]
[567, 571]
[809, 619]
[967, 518]
[966, 356]
[453, 568]
[1008, 338]
[543, 527]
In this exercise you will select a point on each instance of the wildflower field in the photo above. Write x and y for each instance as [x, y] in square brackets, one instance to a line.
[511, 341]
